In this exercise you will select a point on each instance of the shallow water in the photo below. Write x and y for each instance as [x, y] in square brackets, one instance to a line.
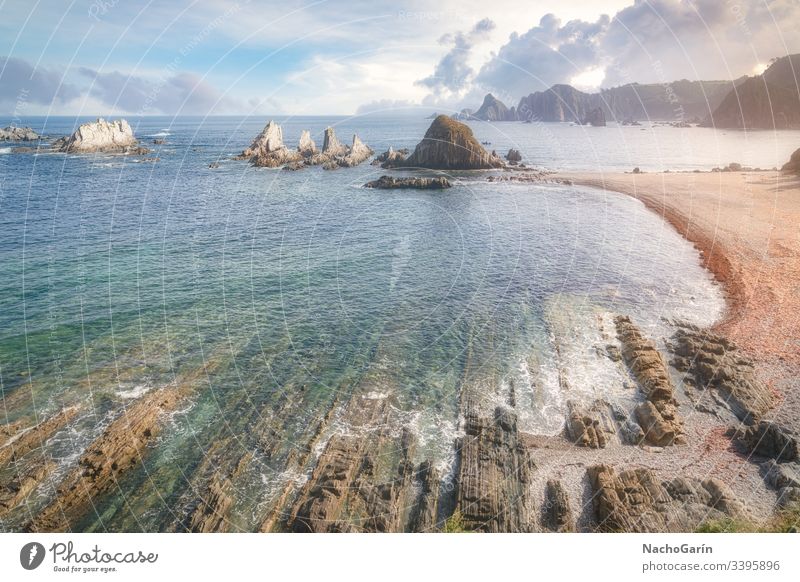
[119, 276]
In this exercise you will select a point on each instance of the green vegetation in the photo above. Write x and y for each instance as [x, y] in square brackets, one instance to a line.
[455, 523]
[786, 520]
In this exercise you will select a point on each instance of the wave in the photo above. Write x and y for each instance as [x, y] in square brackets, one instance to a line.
[5, 150]
[159, 134]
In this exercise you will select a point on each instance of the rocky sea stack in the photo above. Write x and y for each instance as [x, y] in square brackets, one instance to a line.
[449, 145]
[269, 151]
[12, 133]
[101, 136]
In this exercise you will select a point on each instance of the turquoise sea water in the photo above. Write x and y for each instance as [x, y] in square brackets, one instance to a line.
[118, 276]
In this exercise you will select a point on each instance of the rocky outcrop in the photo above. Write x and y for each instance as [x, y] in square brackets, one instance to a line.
[120, 447]
[12, 133]
[306, 146]
[658, 415]
[768, 101]
[493, 493]
[770, 440]
[357, 153]
[514, 156]
[23, 483]
[557, 514]
[22, 440]
[449, 145]
[101, 136]
[595, 118]
[589, 427]
[391, 183]
[210, 514]
[391, 155]
[268, 149]
[717, 369]
[793, 165]
[636, 500]
[492, 109]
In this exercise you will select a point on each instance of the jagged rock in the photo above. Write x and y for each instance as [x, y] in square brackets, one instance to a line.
[789, 497]
[557, 512]
[793, 165]
[493, 492]
[390, 155]
[119, 448]
[268, 149]
[390, 183]
[715, 364]
[658, 416]
[12, 133]
[770, 440]
[331, 145]
[449, 145]
[514, 155]
[423, 513]
[101, 136]
[780, 475]
[595, 117]
[211, 513]
[306, 147]
[22, 485]
[589, 427]
[30, 438]
[492, 109]
[158, 141]
[357, 153]
[635, 500]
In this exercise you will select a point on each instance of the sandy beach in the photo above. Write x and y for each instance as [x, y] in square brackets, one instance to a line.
[745, 225]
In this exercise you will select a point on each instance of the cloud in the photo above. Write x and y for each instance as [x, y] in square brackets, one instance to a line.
[179, 93]
[650, 41]
[21, 83]
[453, 73]
[385, 105]
[545, 55]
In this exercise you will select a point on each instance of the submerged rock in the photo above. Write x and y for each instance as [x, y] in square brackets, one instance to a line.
[449, 145]
[390, 183]
[12, 133]
[101, 136]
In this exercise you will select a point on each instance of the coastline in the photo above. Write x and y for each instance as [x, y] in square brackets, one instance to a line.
[744, 226]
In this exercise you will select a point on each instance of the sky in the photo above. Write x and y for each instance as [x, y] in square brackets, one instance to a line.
[203, 57]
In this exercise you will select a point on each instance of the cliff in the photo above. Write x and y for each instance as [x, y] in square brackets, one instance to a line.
[493, 109]
[768, 101]
[449, 145]
[679, 100]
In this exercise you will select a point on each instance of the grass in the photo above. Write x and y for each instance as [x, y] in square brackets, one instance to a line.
[455, 524]
[786, 520]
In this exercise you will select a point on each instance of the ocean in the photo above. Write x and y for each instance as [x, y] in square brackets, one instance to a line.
[275, 293]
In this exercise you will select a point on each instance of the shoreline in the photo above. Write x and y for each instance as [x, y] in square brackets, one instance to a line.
[744, 226]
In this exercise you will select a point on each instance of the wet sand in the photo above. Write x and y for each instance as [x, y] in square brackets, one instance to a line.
[746, 226]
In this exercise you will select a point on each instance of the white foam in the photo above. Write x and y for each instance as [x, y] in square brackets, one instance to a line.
[5, 150]
[162, 133]
[135, 392]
